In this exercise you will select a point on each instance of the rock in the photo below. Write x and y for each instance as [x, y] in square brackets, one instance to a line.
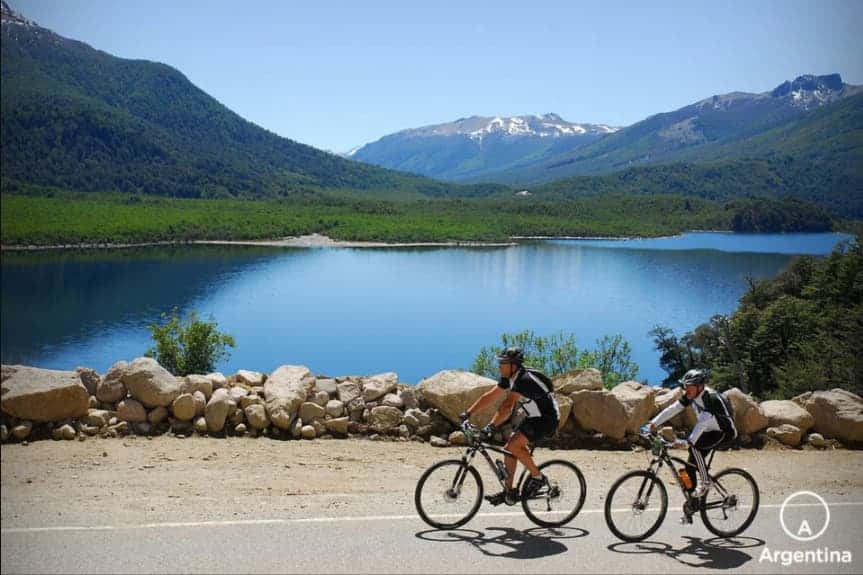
[111, 389]
[237, 417]
[376, 386]
[237, 393]
[816, 440]
[638, 403]
[240, 428]
[89, 379]
[749, 418]
[454, 391]
[338, 426]
[285, 390]
[43, 394]
[296, 427]
[184, 407]
[319, 397]
[250, 377]
[599, 411]
[667, 433]
[256, 415]
[328, 385]
[404, 431]
[384, 418]
[356, 408]
[67, 432]
[436, 441]
[416, 418]
[158, 415]
[250, 399]
[93, 402]
[4, 433]
[142, 428]
[131, 410]
[192, 383]
[393, 400]
[308, 432]
[409, 398]
[320, 428]
[335, 408]
[457, 438]
[201, 425]
[150, 383]
[97, 417]
[119, 428]
[786, 433]
[200, 403]
[564, 405]
[578, 380]
[311, 411]
[22, 430]
[786, 411]
[838, 413]
[218, 409]
[349, 391]
[218, 380]
[113, 421]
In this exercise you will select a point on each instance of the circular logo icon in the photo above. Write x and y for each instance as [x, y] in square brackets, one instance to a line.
[804, 531]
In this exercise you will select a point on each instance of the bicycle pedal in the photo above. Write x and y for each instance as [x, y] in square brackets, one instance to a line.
[686, 520]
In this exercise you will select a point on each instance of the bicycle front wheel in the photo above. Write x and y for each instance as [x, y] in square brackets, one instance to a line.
[559, 502]
[636, 505]
[448, 494]
[732, 503]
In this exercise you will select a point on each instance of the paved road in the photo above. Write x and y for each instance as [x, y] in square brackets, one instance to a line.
[494, 542]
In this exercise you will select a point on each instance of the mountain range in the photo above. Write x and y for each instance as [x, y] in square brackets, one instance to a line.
[722, 127]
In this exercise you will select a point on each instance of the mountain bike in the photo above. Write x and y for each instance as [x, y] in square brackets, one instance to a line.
[450, 492]
[637, 502]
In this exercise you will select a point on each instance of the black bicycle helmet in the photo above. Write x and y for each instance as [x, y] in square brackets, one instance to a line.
[511, 355]
[694, 377]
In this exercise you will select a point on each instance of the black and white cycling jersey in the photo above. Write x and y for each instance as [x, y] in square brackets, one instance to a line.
[537, 396]
[712, 411]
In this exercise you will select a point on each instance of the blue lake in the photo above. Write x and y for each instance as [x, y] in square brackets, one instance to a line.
[355, 311]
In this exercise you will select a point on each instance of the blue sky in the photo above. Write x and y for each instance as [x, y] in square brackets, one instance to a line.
[338, 74]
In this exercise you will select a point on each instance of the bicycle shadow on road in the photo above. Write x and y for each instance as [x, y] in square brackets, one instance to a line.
[715, 553]
[510, 543]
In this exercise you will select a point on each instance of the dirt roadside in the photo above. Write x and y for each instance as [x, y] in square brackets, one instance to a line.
[165, 479]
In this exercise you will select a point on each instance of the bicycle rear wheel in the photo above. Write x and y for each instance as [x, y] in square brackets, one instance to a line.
[636, 505]
[448, 494]
[559, 502]
[732, 503]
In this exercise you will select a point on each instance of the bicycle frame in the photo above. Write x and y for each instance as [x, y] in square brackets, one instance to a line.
[483, 448]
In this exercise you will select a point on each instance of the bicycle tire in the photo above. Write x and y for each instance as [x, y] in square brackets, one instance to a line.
[756, 498]
[609, 511]
[471, 471]
[569, 517]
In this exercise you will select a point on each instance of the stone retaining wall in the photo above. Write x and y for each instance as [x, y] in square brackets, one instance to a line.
[143, 398]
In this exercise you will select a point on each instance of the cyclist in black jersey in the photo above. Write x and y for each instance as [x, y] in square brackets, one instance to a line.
[535, 392]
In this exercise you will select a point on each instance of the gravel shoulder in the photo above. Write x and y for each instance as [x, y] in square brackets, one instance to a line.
[165, 479]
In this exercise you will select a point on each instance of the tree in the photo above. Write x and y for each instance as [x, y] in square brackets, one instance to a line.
[190, 345]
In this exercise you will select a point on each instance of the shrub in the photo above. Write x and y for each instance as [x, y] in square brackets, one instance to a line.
[188, 346]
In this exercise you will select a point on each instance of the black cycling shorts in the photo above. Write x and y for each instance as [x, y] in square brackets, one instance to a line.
[536, 428]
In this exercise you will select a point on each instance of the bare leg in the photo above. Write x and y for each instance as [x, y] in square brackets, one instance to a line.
[517, 444]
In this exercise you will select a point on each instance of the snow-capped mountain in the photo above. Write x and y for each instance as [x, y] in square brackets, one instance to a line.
[471, 148]
[479, 127]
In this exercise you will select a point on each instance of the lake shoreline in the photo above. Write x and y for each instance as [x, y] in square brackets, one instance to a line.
[315, 241]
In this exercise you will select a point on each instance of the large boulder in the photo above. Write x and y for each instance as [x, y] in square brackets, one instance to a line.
[310, 411]
[338, 426]
[749, 418]
[637, 401]
[250, 378]
[783, 411]
[578, 380]
[219, 407]
[335, 408]
[838, 413]
[454, 391]
[599, 410]
[184, 407]
[786, 433]
[150, 383]
[218, 380]
[98, 417]
[285, 391]
[111, 389]
[327, 385]
[256, 415]
[384, 418]
[348, 391]
[377, 386]
[131, 410]
[43, 394]
[192, 383]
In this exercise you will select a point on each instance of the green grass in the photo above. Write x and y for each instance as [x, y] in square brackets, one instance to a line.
[74, 218]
